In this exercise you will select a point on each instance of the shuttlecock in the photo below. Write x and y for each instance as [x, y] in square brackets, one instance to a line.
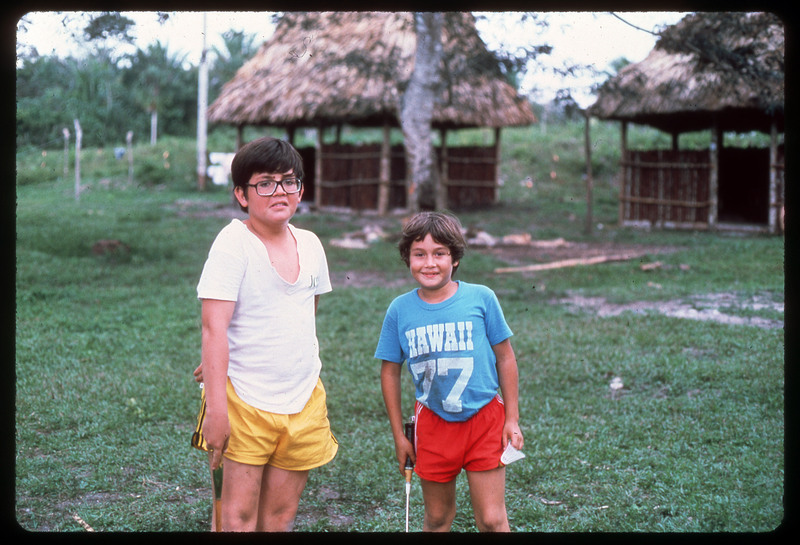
[616, 386]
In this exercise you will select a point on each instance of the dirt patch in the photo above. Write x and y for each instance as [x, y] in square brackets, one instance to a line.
[723, 308]
[307, 516]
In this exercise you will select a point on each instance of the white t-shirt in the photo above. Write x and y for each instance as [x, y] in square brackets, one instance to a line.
[274, 359]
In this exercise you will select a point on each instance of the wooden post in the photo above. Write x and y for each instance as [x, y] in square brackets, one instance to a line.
[385, 175]
[623, 178]
[773, 178]
[129, 141]
[443, 189]
[589, 180]
[65, 132]
[496, 165]
[78, 140]
[153, 126]
[713, 177]
[318, 168]
[662, 207]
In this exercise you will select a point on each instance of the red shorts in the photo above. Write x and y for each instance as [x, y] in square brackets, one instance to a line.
[445, 448]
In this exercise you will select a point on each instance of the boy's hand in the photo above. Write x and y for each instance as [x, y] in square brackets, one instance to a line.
[216, 430]
[404, 449]
[198, 374]
[512, 434]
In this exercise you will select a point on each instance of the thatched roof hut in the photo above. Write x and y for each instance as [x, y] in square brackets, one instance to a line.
[322, 69]
[688, 91]
[722, 72]
[328, 68]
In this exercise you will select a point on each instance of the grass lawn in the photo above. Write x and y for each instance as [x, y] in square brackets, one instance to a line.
[106, 403]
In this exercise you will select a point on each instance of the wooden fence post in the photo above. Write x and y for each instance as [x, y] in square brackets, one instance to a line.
[129, 140]
[78, 139]
[65, 132]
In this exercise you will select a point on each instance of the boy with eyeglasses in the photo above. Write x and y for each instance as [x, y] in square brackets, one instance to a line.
[264, 405]
[455, 340]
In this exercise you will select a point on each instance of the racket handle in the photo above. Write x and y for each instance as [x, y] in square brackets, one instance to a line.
[409, 430]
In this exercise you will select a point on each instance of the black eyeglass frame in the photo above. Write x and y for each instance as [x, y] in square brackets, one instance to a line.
[278, 183]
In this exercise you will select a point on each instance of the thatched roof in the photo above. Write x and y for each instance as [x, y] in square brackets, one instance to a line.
[351, 67]
[724, 66]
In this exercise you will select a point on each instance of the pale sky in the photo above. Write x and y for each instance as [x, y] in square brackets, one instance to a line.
[596, 38]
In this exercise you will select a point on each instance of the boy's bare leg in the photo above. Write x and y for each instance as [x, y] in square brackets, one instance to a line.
[487, 489]
[241, 489]
[440, 505]
[260, 498]
[280, 497]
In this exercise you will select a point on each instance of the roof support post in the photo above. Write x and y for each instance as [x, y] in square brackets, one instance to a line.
[773, 177]
[713, 175]
[496, 165]
[318, 168]
[623, 176]
[444, 179]
[385, 175]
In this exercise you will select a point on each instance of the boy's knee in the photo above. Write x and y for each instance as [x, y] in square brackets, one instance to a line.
[438, 524]
[495, 520]
[439, 520]
[238, 520]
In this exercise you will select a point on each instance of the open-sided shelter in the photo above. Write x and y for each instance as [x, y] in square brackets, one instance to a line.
[733, 84]
[328, 69]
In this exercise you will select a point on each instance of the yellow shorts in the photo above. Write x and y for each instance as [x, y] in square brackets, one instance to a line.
[295, 442]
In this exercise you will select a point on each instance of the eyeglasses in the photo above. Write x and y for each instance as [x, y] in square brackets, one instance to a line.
[267, 188]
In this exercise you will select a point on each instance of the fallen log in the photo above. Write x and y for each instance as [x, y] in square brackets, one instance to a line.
[576, 262]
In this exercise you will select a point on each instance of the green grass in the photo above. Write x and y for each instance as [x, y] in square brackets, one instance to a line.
[105, 346]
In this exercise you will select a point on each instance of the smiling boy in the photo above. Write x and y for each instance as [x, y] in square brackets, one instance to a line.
[455, 341]
[265, 405]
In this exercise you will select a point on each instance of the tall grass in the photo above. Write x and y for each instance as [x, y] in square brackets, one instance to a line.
[105, 345]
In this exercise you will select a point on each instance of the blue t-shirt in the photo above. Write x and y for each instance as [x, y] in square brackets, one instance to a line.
[448, 348]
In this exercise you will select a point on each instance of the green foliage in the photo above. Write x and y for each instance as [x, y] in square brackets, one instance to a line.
[108, 96]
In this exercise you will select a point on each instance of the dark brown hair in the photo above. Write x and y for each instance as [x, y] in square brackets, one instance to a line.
[443, 228]
[265, 155]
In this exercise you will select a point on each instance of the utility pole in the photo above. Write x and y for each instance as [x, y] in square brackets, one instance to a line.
[202, 106]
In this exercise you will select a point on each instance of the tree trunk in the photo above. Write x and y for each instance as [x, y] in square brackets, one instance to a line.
[422, 178]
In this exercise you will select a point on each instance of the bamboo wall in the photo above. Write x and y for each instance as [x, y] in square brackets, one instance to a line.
[665, 187]
[673, 188]
[351, 175]
[471, 176]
